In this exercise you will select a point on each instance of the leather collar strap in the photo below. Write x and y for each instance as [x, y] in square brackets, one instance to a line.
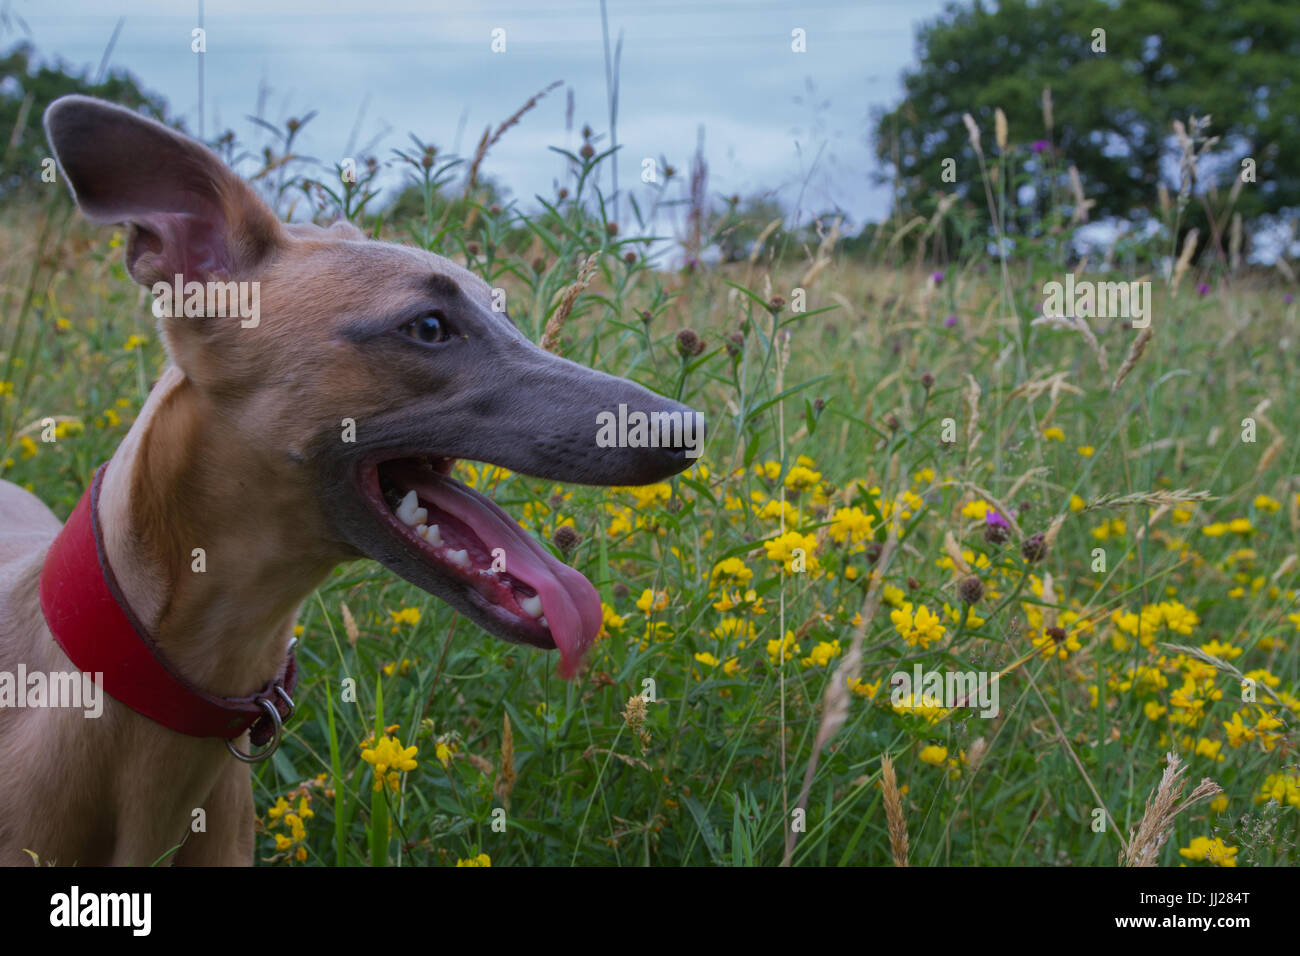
[92, 622]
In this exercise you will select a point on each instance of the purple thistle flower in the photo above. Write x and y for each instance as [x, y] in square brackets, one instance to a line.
[995, 520]
[1288, 298]
[950, 322]
[1040, 146]
[1202, 288]
[936, 277]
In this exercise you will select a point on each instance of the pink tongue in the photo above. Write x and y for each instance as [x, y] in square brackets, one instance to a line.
[569, 602]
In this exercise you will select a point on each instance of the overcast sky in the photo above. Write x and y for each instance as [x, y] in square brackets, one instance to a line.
[773, 119]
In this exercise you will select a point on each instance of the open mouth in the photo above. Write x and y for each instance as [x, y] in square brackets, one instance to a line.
[523, 594]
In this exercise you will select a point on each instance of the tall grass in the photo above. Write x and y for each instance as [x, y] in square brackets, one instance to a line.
[1140, 560]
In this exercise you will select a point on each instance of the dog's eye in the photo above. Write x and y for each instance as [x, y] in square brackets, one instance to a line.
[430, 328]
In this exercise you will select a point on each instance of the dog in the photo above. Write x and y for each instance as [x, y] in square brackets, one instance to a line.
[268, 452]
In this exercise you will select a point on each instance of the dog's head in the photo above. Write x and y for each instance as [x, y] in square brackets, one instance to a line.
[354, 373]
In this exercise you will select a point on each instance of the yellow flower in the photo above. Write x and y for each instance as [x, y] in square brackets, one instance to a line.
[920, 627]
[401, 668]
[444, 749]
[389, 760]
[707, 659]
[28, 446]
[1265, 503]
[851, 526]
[1087, 451]
[783, 549]
[1213, 850]
[1205, 747]
[972, 619]
[1077, 503]
[1059, 647]
[1238, 732]
[282, 813]
[976, 510]
[133, 343]
[481, 860]
[800, 478]
[407, 615]
[1217, 648]
[651, 601]
[610, 621]
[275, 812]
[822, 654]
[1239, 526]
[1053, 434]
[647, 495]
[733, 628]
[731, 600]
[933, 755]
[775, 649]
[1115, 527]
[731, 572]
[1281, 787]
[862, 688]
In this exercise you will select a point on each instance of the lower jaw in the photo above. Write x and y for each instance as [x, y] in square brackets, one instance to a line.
[493, 595]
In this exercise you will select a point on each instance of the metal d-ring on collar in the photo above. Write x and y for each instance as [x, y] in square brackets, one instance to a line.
[274, 713]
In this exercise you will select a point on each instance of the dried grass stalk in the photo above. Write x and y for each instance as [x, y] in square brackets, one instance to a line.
[551, 337]
[893, 811]
[1162, 808]
[349, 625]
[973, 129]
[491, 138]
[1131, 360]
[973, 403]
[1184, 258]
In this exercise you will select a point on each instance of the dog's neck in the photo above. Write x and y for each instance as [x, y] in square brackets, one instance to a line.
[210, 550]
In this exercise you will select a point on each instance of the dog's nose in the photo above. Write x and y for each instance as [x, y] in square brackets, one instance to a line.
[660, 442]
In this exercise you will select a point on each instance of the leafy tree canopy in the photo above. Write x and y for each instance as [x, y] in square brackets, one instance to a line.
[1236, 60]
[27, 88]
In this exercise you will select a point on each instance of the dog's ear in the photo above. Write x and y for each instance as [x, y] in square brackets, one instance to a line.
[189, 214]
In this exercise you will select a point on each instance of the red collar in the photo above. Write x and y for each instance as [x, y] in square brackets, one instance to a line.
[93, 623]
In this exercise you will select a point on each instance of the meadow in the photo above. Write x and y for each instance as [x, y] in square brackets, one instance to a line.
[907, 465]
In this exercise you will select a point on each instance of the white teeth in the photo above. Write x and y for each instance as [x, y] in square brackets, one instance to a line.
[532, 606]
[458, 558]
[430, 534]
[409, 510]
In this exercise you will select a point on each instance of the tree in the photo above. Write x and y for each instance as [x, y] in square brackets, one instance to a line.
[28, 89]
[1236, 60]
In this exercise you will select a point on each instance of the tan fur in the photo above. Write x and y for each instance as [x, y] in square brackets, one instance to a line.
[237, 451]
[204, 465]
